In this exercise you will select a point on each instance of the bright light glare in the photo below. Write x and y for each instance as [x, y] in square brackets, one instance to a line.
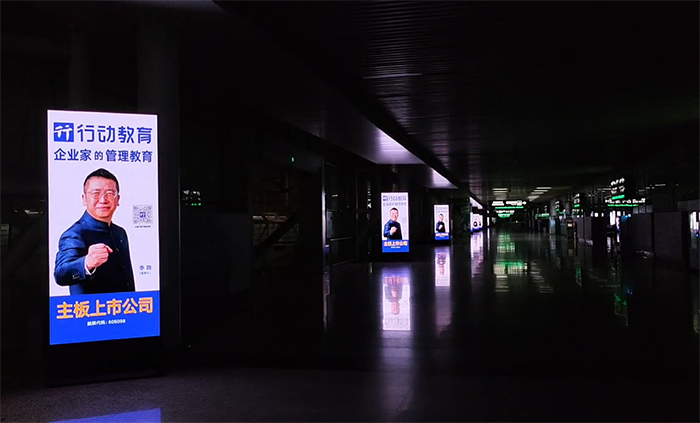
[440, 181]
[387, 151]
[544, 187]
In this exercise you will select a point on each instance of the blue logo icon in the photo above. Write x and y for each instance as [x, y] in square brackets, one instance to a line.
[385, 198]
[63, 132]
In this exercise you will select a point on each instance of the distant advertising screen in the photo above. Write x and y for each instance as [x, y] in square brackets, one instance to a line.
[395, 222]
[442, 222]
[477, 222]
[396, 304]
[442, 266]
[104, 256]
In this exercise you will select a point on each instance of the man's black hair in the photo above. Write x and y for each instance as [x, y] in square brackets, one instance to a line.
[101, 173]
[393, 208]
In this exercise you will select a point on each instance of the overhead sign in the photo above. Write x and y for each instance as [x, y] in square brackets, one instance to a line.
[577, 200]
[395, 222]
[104, 258]
[628, 202]
[442, 222]
[617, 187]
[505, 213]
[508, 204]
[622, 188]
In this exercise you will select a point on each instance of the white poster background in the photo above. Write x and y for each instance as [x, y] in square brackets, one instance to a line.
[138, 186]
[443, 209]
[399, 200]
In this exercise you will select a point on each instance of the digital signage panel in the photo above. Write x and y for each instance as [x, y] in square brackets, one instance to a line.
[442, 222]
[395, 237]
[477, 222]
[104, 256]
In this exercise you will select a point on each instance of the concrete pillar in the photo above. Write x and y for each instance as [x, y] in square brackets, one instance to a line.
[158, 92]
[311, 246]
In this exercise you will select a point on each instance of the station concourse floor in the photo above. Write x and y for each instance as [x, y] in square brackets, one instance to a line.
[505, 326]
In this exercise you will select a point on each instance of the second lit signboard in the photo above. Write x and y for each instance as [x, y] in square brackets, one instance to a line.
[477, 222]
[442, 222]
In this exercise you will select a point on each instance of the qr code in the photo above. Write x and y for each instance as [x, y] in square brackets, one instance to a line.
[143, 215]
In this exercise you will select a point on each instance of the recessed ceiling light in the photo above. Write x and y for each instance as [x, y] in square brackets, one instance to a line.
[544, 187]
[392, 75]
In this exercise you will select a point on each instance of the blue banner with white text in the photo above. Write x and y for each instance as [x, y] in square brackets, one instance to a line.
[103, 317]
[390, 246]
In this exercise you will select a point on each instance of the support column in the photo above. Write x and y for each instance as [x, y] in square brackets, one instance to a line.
[159, 92]
[311, 246]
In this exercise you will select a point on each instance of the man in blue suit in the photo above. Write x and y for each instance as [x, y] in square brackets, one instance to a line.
[440, 226]
[392, 228]
[93, 254]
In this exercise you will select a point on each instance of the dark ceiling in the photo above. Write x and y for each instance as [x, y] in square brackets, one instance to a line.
[512, 94]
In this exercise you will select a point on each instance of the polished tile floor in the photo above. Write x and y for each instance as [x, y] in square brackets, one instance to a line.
[504, 327]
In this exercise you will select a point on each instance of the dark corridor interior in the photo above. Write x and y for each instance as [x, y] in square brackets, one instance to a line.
[558, 140]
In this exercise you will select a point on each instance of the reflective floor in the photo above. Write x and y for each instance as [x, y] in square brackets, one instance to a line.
[507, 327]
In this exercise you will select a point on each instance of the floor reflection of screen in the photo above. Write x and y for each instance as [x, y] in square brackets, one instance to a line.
[396, 294]
[477, 251]
[145, 416]
[442, 267]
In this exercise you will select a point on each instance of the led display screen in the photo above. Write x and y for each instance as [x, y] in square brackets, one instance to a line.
[104, 258]
[396, 294]
[442, 222]
[395, 237]
[477, 222]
